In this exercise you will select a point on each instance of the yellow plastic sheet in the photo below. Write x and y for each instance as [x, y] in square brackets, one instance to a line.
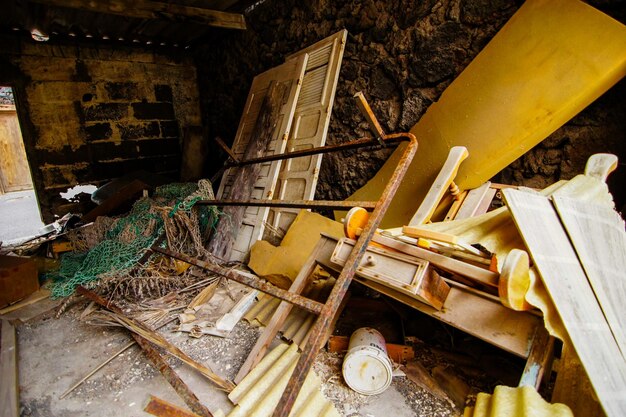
[551, 60]
[515, 402]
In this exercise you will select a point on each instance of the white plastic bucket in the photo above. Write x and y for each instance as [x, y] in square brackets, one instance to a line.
[366, 367]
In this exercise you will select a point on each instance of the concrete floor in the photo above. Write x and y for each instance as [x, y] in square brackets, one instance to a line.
[19, 216]
[56, 353]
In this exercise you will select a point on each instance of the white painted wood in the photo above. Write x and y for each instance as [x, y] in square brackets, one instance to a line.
[465, 309]
[291, 73]
[475, 201]
[440, 186]
[573, 297]
[597, 233]
[298, 177]
[405, 274]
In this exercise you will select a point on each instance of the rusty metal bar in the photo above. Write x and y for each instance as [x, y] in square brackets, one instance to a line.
[332, 205]
[316, 338]
[355, 144]
[157, 360]
[248, 280]
[160, 408]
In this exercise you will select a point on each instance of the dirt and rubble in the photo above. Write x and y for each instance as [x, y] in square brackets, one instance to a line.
[56, 353]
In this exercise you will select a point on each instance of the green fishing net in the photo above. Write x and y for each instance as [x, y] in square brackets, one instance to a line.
[126, 241]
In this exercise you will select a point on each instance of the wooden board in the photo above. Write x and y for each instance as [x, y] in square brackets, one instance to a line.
[508, 98]
[454, 266]
[440, 186]
[9, 397]
[477, 202]
[597, 233]
[405, 274]
[298, 177]
[572, 295]
[290, 76]
[14, 171]
[467, 310]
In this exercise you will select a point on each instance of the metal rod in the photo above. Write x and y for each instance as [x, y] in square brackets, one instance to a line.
[248, 280]
[157, 360]
[316, 338]
[355, 144]
[333, 205]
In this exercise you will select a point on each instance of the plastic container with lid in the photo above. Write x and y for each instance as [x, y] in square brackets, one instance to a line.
[367, 368]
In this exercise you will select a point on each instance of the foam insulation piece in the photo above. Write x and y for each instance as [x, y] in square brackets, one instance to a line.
[259, 392]
[283, 263]
[549, 61]
[515, 402]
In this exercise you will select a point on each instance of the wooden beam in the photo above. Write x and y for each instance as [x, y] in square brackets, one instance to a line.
[572, 295]
[144, 9]
[9, 398]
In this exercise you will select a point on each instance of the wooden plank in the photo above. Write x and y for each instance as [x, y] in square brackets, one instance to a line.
[539, 361]
[573, 297]
[455, 266]
[9, 396]
[469, 311]
[40, 294]
[14, 171]
[280, 315]
[475, 201]
[418, 232]
[298, 178]
[290, 77]
[597, 233]
[440, 186]
[144, 9]
[403, 273]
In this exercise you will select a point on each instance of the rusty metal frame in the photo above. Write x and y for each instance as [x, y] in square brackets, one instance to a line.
[328, 311]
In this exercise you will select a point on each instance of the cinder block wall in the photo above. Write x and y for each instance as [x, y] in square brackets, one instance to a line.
[91, 115]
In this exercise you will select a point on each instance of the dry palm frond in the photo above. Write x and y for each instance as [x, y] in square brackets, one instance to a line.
[155, 338]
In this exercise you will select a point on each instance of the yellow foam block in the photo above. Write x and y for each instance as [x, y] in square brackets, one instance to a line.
[518, 402]
[281, 264]
[551, 60]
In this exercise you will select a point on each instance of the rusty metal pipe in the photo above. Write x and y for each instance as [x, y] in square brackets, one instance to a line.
[355, 144]
[310, 204]
[248, 280]
[316, 338]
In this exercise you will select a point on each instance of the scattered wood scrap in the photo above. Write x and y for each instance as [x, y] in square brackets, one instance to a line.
[9, 394]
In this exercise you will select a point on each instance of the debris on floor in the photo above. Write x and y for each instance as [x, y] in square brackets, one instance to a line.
[459, 308]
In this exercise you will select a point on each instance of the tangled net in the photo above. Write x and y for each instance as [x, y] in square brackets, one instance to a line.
[107, 253]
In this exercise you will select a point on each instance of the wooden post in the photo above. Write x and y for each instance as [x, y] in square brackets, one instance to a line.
[228, 227]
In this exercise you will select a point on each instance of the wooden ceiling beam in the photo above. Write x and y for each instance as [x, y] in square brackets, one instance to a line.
[144, 9]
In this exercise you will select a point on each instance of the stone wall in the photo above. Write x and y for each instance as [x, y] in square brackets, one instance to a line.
[402, 55]
[91, 115]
